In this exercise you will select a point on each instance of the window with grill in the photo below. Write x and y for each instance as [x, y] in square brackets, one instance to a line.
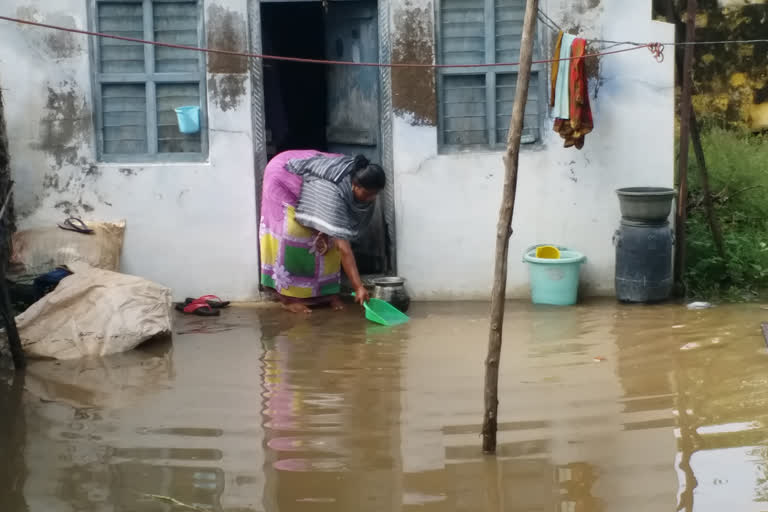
[138, 86]
[476, 103]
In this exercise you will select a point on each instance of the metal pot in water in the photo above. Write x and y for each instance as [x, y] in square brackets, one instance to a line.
[392, 290]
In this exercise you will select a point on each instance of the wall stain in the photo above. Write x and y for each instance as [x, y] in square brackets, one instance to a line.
[73, 209]
[67, 207]
[55, 44]
[66, 125]
[69, 186]
[581, 20]
[413, 89]
[592, 67]
[226, 31]
[51, 181]
[127, 172]
[226, 91]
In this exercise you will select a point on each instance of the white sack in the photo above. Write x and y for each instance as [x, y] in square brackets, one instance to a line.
[95, 312]
[37, 251]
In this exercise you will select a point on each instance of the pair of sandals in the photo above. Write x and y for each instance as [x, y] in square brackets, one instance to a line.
[207, 305]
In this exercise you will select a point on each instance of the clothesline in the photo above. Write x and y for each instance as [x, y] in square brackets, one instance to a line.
[654, 47]
[553, 26]
[299, 59]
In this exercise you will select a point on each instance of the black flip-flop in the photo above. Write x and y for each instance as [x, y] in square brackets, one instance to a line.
[198, 309]
[76, 225]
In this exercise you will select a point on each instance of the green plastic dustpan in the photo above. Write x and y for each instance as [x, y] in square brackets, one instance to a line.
[384, 313]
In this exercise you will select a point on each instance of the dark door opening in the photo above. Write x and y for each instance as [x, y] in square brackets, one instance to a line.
[328, 108]
[294, 93]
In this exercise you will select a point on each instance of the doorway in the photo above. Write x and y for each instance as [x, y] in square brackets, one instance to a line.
[294, 93]
[326, 107]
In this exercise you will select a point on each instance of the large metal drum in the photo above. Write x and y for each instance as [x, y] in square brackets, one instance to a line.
[643, 262]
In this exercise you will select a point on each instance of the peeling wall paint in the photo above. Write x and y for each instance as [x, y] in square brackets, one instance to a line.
[66, 124]
[173, 208]
[169, 208]
[226, 31]
[413, 89]
[579, 17]
[52, 44]
[227, 91]
[564, 196]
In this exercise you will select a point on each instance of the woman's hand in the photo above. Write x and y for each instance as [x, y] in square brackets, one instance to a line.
[350, 268]
[361, 295]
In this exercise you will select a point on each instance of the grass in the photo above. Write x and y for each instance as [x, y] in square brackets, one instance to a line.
[738, 168]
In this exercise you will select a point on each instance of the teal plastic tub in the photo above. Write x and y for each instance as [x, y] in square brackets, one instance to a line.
[554, 281]
[189, 119]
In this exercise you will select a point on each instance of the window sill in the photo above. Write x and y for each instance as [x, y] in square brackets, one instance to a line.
[155, 160]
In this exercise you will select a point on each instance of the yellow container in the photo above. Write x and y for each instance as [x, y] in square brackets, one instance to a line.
[548, 252]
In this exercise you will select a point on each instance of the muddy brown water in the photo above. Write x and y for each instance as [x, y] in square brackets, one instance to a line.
[603, 408]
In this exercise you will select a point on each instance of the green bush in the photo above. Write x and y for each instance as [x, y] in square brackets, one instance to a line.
[738, 169]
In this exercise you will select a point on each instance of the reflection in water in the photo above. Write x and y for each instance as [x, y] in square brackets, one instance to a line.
[112, 382]
[13, 468]
[713, 370]
[331, 408]
[603, 408]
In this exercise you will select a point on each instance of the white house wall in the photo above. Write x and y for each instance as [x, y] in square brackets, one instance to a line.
[447, 205]
[193, 226]
[190, 226]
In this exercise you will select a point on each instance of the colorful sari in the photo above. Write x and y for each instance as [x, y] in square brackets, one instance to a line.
[580, 122]
[297, 262]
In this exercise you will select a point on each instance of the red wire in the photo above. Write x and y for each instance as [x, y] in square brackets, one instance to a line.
[309, 61]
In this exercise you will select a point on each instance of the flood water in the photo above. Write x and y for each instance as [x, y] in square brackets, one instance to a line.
[603, 408]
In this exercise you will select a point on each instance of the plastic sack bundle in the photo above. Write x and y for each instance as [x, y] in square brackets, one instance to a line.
[95, 312]
[40, 250]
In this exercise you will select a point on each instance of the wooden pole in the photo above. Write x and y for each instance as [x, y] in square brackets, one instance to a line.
[698, 147]
[14, 340]
[13, 468]
[685, 131]
[706, 190]
[764, 327]
[504, 229]
[688, 439]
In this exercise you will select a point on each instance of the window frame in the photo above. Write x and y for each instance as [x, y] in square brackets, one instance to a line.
[490, 73]
[150, 79]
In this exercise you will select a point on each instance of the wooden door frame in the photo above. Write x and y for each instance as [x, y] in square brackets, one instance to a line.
[386, 113]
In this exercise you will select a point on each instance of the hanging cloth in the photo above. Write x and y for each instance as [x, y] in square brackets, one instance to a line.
[562, 101]
[555, 69]
[581, 112]
[580, 121]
